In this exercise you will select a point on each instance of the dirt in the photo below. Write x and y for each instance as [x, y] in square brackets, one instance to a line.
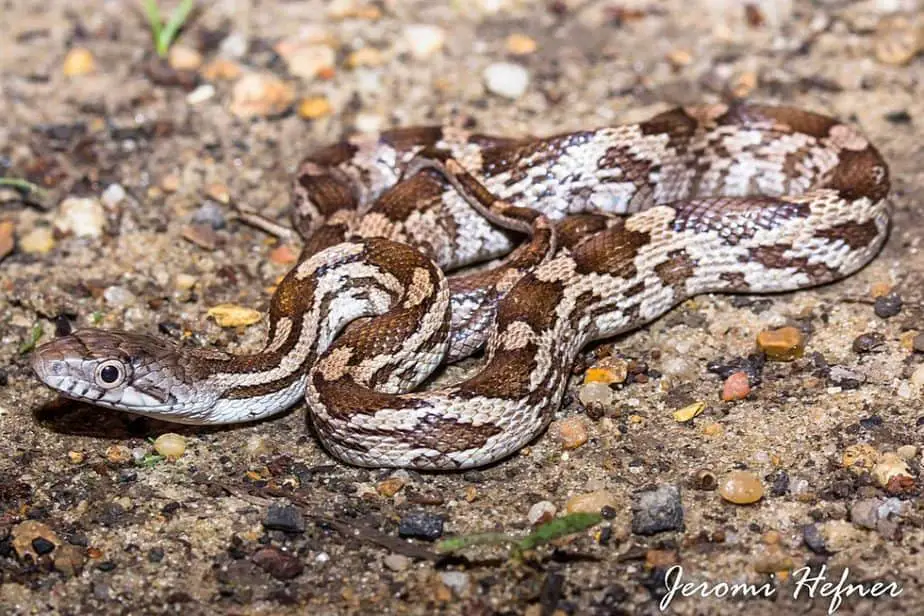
[121, 530]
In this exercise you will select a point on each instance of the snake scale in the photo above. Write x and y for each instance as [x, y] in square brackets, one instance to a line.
[621, 224]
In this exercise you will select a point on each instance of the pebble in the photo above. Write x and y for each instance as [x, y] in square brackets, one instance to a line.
[82, 216]
[741, 488]
[397, 562]
[783, 344]
[184, 282]
[118, 296]
[917, 377]
[736, 387]
[689, 412]
[78, 61]
[520, 44]
[506, 79]
[314, 107]
[286, 518]
[211, 214]
[458, 581]
[897, 40]
[113, 195]
[24, 535]
[171, 446]
[591, 502]
[221, 69]
[679, 58]
[201, 94]
[118, 454]
[281, 565]
[814, 539]
[889, 466]
[541, 512]
[572, 432]
[232, 315]
[608, 370]
[261, 94]
[888, 306]
[368, 122]
[842, 377]
[705, 480]
[421, 525]
[309, 61]
[69, 559]
[365, 56]
[907, 452]
[391, 486]
[596, 393]
[772, 559]
[39, 240]
[284, 254]
[203, 236]
[839, 535]
[860, 457]
[917, 343]
[424, 40]
[234, 45]
[865, 513]
[76, 457]
[6, 237]
[657, 510]
[257, 445]
[182, 58]
[866, 343]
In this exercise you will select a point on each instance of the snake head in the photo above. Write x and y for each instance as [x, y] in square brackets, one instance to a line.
[118, 370]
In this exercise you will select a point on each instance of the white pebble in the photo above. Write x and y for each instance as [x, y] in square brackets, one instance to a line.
[506, 79]
[397, 562]
[170, 445]
[82, 216]
[595, 393]
[234, 45]
[424, 40]
[201, 94]
[113, 195]
[458, 581]
[543, 511]
[369, 122]
[118, 296]
[917, 377]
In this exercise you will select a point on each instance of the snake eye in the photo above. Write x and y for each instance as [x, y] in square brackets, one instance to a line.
[110, 374]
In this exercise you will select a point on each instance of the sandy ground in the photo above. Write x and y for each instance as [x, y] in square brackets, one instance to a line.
[130, 533]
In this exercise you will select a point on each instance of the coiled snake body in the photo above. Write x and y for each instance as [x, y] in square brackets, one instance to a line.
[719, 198]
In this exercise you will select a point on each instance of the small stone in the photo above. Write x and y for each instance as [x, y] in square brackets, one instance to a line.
[907, 452]
[591, 502]
[39, 240]
[365, 56]
[78, 61]
[783, 344]
[860, 457]
[424, 40]
[917, 377]
[210, 213]
[368, 122]
[679, 58]
[705, 480]
[182, 58]
[184, 282]
[865, 513]
[608, 370]
[458, 581]
[281, 565]
[541, 512]
[689, 412]
[397, 562]
[596, 394]
[308, 61]
[113, 195]
[25, 533]
[75, 457]
[69, 559]
[520, 44]
[286, 518]
[839, 535]
[118, 454]
[257, 445]
[170, 183]
[842, 377]
[772, 559]
[42, 546]
[314, 107]
[888, 306]
[232, 315]
[897, 40]
[261, 94]
[506, 79]
[201, 94]
[391, 486]
[203, 236]
[917, 343]
[814, 539]
[6, 237]
[284, 254]
[221, 69]
[866, 343]
[744, 84]
[736, 387]
[171, 446]
[234, 45]
[118, 296]
[658, 510]
[741, 488]
[82, 216]
[889, 466]
[421, 525]
[661, 559]
[572, 432]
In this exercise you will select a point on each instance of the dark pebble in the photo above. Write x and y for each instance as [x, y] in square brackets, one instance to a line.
[106, 566]
[752, 365]
[170, 508]
[658, 510]
[279, 564]
[888, 305]
[62, 326]
[813, 539]
[898, 117]
[779, 483]
[606, 533]
[4, 378]
[209, 213]
[607, 512]
[873, 421]
[917, 343]
[42, 546]
[865, 343]
[285, 518]
[155, 555]
[421, 525]
[613, 596]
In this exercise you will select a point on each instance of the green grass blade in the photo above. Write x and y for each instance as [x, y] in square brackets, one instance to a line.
[454, 544]
[154, 21]
[559, 527]
[177, 19]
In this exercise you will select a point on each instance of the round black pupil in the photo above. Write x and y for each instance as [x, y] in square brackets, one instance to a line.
[109, 374]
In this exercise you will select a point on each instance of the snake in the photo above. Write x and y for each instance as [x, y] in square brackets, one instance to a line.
[581, 236]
